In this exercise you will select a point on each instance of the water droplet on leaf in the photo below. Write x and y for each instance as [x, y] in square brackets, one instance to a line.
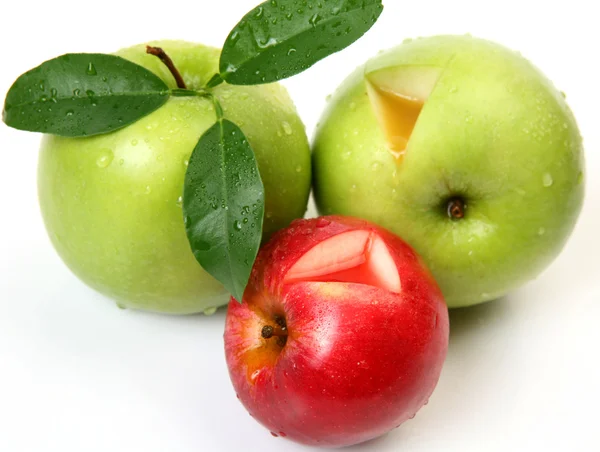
[91, 69]
[314, 20]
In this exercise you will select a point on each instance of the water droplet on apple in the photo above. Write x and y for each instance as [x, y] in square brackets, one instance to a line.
[454, 89]
[186, 162]
[148, 190]
[134, 142]
[322, 222]
[180, 201]
[547, 180]
[469, 119]
[237, 224]
[541, 231]
[210, 311]
[283, 435]
[274, 434]
[413, 416]
[121, 305]
[105, 159]
[287, 128]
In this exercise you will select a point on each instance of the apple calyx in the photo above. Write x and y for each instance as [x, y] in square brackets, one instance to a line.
[279, 331]
[397, 97]
[456, 208]
[166, 59]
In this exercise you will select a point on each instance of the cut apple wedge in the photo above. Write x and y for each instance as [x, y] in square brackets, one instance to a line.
[357, 256]
[397, 95]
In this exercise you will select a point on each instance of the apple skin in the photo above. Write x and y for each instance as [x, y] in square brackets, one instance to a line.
[359, 360]
[493, 131]
[111, 203]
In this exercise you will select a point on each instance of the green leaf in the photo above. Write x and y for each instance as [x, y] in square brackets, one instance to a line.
[281, 38]
[83, 94]
[223, 205]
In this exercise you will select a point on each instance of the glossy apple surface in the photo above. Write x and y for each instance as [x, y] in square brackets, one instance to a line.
[112, 203]
[463, 148]
[341, 334]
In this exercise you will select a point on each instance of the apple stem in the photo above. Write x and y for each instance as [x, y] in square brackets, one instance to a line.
[162, 55]
[268, 332]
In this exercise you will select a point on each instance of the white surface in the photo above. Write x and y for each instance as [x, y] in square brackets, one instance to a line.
[78, 374]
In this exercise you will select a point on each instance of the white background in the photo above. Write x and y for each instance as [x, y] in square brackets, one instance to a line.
[78, 374]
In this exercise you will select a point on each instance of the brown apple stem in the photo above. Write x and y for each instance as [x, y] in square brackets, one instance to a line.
[162, 55]
[269, 331]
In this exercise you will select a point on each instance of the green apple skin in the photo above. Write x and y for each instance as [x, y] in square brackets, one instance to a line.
[112, 203]
[493, 131]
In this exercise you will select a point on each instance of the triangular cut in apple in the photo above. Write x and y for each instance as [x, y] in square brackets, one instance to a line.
[397, 96]
[356, 256]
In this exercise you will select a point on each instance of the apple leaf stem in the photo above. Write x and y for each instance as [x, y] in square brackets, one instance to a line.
[166, 59]
[215, 81]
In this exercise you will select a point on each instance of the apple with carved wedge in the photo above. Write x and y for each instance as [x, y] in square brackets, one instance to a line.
[464, 149]
[341, 333]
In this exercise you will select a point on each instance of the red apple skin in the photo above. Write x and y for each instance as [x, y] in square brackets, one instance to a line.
[359, 360]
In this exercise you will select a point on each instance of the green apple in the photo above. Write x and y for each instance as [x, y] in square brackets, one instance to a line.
[112, 203]
[464, 149]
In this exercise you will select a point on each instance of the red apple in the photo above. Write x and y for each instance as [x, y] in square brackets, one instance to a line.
[341, 334]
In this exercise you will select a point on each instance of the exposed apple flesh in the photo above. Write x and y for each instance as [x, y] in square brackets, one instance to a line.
[397, 95]
[341, 334]
[486, 181]
[356, 256]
